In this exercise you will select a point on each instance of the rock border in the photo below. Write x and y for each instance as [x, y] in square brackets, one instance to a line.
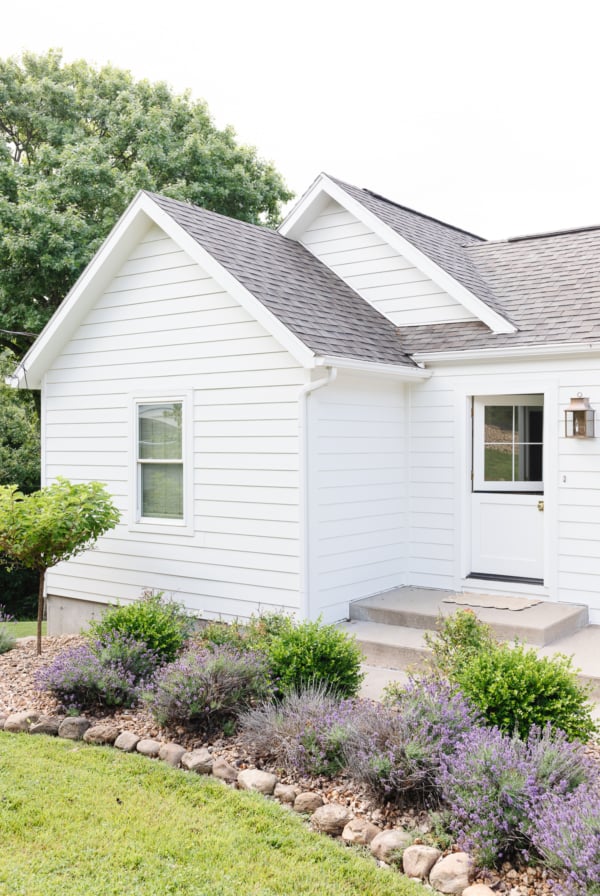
[391, 848]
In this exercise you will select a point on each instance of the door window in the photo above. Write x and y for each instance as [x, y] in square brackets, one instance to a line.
[508, 443]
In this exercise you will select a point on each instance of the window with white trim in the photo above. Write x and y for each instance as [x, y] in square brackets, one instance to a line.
[160, 460]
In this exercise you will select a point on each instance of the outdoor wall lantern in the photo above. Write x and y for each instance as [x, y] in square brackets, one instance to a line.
[579, 419]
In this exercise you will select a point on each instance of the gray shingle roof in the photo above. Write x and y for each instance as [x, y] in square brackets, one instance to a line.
[308, 298]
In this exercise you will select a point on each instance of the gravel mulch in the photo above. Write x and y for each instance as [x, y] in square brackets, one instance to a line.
[18, 668]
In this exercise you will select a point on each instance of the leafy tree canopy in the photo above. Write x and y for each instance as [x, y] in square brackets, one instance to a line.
[78, 143]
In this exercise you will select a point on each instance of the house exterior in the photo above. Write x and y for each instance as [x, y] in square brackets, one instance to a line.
[365, 399]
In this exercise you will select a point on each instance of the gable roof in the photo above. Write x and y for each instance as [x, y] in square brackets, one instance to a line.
[303, 293]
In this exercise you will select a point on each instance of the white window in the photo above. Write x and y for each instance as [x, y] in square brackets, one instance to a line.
[160, 474]
[508, 443]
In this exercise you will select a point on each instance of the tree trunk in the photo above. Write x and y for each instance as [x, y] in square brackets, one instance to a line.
[40, 613]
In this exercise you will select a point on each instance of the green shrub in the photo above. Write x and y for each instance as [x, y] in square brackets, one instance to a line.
[459, 638]
[7, 641]
[163, 625]
[515, 689]
[311, 653]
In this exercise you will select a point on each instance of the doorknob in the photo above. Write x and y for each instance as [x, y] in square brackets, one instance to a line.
[540, 505]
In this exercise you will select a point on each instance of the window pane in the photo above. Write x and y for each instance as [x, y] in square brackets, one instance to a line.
[498, 463]
[529, 424]
[162, 491]
[528, 467]
[160, 431]
[498, 423]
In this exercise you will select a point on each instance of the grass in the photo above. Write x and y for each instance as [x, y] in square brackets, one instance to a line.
[80, 819]
[22, 629]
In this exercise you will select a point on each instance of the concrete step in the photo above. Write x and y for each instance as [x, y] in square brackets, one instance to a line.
[419, 609]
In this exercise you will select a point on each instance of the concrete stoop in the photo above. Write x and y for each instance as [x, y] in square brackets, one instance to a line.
[390, 628]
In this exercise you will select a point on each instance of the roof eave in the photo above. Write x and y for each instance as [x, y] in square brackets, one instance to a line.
[379, 368]
[507, 353]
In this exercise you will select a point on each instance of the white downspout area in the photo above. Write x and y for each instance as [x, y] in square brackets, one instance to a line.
[304, 448]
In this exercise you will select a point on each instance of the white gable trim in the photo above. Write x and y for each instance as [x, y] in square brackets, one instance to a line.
[324, 189]
[130, 228]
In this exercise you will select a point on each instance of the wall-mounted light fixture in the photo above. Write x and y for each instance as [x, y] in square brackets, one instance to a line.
[579, 419]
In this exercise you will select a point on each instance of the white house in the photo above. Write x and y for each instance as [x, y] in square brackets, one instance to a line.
[365, 399]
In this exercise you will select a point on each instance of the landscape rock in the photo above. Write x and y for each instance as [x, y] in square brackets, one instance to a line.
[259, 781]
[3, 718]
[127, 741]
[451, 874]
[21, 721]
[308, 802]
[478, 890]
[331, 819]
[46, 725]
[171, 754]
[225, 772]
[418, 860]
[285, 793]
[148, 747]
[101, 734]
[386, 845]
[73, 727]
[199, 761]
[359, 831]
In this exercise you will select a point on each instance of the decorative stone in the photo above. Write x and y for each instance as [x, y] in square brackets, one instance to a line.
[127, 741]
[285, 793]
[451, 874]
[46, 725]
[171, 754]
[478, 890]
[359, 831]
[331, 819]
[387, 845]
[73, 727]
[225, 772]
[3, 718]
[418, 860]
[148, 747]
[101, 734]
[257, 780]
[199, 761]
[308, 802]
[21, 721]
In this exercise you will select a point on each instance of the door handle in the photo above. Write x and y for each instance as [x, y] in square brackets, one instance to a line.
[540, 506]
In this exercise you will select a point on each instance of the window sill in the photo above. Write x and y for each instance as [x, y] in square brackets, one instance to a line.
[163, 528]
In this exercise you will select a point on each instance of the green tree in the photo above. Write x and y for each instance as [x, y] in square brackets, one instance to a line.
[56, 523]
[78, 143]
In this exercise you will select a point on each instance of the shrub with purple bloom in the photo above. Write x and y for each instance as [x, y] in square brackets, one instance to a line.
[205, 689]
[7, 641]
[566, 834]
[396, 750]
[493, 785]
[305, 731]
[112, 672]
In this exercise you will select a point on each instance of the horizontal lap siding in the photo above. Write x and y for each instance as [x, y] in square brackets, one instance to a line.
[357, 487]
[377, 272]
[163, 325]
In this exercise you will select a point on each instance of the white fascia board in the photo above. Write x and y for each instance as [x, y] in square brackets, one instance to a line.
[398, 371]
[507, 353]
[313, 201]
[104, 265]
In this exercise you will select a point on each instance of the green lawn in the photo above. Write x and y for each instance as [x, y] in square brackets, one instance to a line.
[79, 819]
[22, 629]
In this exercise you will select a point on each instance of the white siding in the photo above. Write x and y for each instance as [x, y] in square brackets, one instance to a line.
[377, 272]
[164, 326]
[357, 487]
[439, 465]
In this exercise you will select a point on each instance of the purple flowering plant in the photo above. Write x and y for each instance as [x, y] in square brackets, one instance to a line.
[205, 689]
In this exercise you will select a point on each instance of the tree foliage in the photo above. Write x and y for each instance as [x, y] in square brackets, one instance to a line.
[56, 523]
[78, 143]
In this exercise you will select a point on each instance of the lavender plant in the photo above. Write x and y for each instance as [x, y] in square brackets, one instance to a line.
[304, 732]
[112, 673]
[206, 689]
[566, 834]
[396, 750]
[7, 641]
[493, 785]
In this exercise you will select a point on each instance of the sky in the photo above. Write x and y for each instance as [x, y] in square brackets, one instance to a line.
[485, 114]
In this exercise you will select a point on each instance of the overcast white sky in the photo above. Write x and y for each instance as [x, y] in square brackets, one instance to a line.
[485, 114]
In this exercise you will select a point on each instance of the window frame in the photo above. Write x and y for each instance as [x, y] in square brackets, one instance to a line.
[480, 484]
[139, 523]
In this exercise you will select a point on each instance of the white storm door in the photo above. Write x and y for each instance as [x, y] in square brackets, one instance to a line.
[508, 488]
